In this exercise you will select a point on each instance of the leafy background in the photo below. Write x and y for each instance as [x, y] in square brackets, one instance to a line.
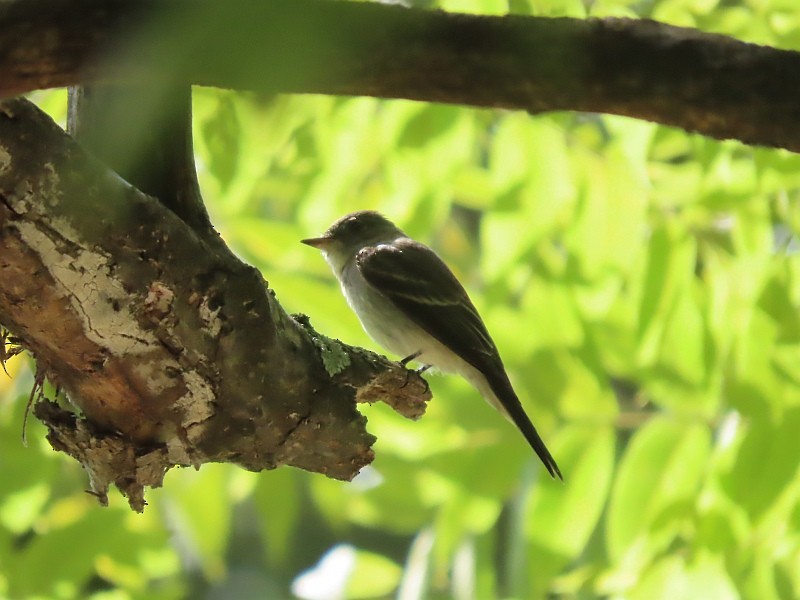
[642, 285]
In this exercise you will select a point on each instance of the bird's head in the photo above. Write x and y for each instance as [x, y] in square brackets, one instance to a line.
[342, 240]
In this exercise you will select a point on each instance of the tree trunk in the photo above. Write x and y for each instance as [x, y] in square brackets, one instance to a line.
[174, 351]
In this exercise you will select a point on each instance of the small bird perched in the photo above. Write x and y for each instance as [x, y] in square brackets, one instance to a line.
[409, 302]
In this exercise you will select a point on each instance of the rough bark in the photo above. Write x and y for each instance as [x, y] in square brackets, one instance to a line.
[176, 353]
[702, 82]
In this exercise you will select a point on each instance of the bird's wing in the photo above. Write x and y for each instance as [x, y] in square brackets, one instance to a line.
[418, 283]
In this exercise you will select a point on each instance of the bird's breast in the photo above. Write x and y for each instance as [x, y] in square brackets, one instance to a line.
[390, 327]
[381, 319]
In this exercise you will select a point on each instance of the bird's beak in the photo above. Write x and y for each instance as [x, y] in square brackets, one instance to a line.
[317, 242]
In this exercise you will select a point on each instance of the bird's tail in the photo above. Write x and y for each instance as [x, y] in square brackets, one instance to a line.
[503, 397]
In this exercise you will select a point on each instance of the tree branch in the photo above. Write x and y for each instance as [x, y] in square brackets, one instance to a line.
[698, 81]
[175, 352]
[145, 136]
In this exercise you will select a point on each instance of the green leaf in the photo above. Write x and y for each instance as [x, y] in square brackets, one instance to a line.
[671, 578]
[655, 487]
[560, 517]
[110, 542]
[197, 504]
[666, 579]
[611, 203]
[430, 122]
[766, 463]
[670, 264]
[222, 133]
[277, 497]
[461, 516]
[373, 576]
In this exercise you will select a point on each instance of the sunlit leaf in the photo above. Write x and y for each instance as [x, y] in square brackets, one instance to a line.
[767, 461]
[560, 517]
[373, 576]
[653, 491]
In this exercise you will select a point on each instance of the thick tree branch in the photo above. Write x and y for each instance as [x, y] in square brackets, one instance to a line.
[145, 135]
[700, 82]
[176, 353]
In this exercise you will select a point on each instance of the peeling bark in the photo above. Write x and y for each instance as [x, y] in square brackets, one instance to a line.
[174, 352]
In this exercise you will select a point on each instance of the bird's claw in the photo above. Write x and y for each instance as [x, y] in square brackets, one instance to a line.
[418, 371]
[410, 357]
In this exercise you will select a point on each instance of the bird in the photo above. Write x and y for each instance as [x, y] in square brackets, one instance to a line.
[410, 302]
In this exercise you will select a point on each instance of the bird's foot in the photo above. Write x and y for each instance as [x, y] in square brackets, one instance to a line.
[410, 357]
[418, 371]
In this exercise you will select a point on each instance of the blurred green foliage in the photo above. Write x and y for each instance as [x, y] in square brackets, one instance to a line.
[642, 284]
